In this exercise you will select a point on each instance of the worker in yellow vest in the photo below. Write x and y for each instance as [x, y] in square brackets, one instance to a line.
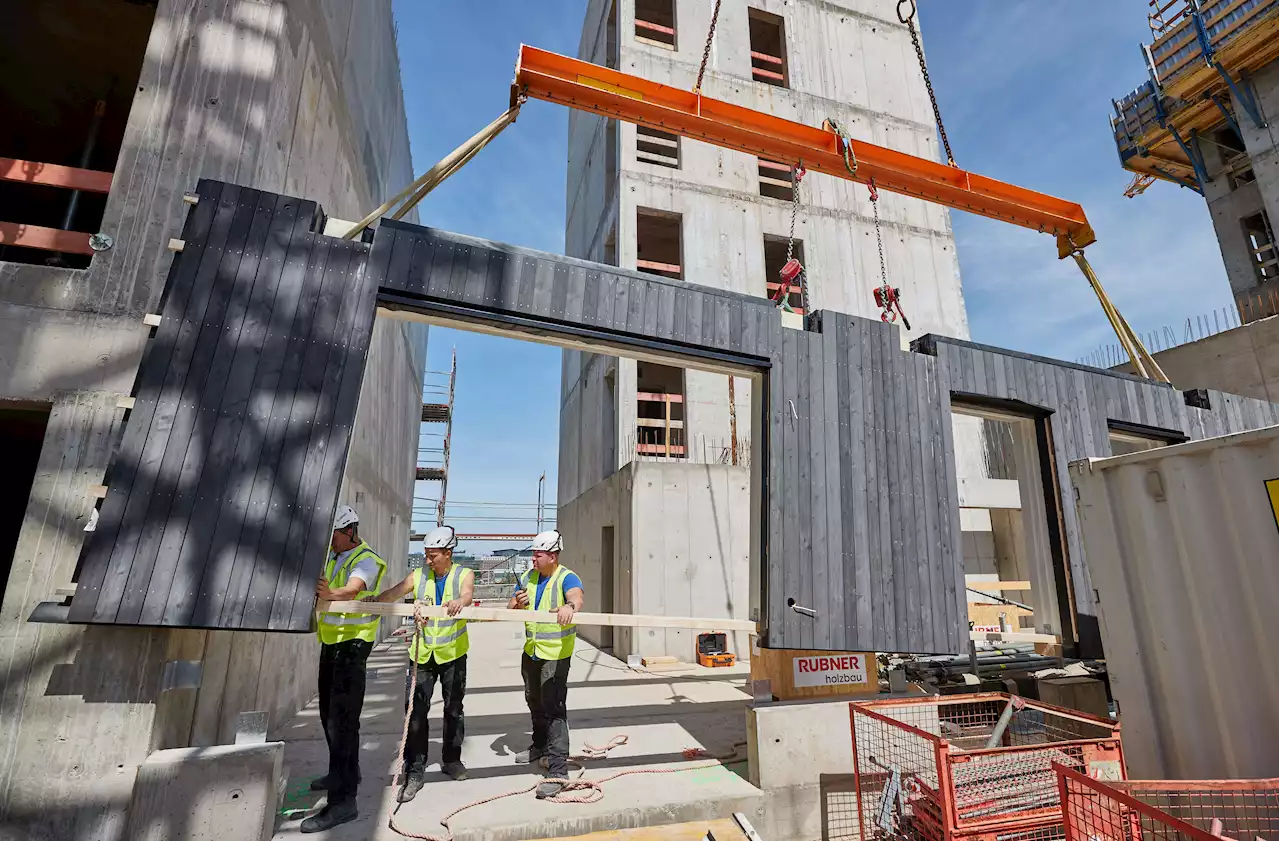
[438, 653]
[548, 648]
[353, 571]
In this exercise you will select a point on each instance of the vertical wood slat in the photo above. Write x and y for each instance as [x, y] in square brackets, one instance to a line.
[218, 352]
[208, 222]
[833, 414]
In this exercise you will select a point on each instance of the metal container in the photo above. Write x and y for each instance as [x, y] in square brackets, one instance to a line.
[1181, 544]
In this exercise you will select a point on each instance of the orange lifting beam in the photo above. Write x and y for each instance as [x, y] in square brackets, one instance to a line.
[590, 87]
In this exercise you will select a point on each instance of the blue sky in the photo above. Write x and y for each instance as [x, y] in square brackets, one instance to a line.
[1025, 88]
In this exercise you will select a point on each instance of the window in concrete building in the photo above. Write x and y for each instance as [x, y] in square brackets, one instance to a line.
[775, 257]
[72, 79]
[1262, 245]
[768, 48]
[656, 22]
[22, 427]
[1235, 159]
[658, 246]
[611, 38]
[657, 147]
[659, 410]
[775, 179]
[1128, 438]
[611, 247]
[610, 154]
[1010, 516]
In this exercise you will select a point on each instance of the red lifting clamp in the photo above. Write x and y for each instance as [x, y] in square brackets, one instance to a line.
[889, 299]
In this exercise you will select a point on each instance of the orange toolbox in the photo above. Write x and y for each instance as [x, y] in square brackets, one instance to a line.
[712, 650]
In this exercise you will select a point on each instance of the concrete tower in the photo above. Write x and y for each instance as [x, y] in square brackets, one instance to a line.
[645, 448]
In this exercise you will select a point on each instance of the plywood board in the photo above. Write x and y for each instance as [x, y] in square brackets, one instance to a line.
[789, 669]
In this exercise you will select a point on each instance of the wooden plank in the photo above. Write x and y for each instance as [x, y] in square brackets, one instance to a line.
[818, 582]
[1012, 636]
[926, 501]
[158, 386]
[258, 449]
[998, 586]
[182, 564]
[55, 175]
[724, 829]
[788, 557]
[309, 258]
[861, 466]
[885, 599]
[502, 614]
[344, 372]
[203, 472]
[836, 585]
[192, 356]
[44, 239]
[915, 555]
[949, 509]
[777, 665]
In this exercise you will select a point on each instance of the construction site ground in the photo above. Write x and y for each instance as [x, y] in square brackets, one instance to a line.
[661, 714]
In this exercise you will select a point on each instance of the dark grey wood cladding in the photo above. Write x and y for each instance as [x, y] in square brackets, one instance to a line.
[1080, 403]
[862, 508]
[219, 497]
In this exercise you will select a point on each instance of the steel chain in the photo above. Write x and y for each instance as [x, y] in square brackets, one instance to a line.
[706, 50]
[875, 210]
[797, 172]
[910, 20]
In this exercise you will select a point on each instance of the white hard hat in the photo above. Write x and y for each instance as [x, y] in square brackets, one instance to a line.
[441, 537]
[346, 516]
[548, 541]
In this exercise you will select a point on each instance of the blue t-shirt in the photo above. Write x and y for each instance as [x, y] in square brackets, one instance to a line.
[567, 583]
[440, 582]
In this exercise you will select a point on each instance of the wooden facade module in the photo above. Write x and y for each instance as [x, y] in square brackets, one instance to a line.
[1081, 405]
[220, 497]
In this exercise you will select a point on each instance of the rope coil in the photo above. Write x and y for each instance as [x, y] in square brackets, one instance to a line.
[575, 789]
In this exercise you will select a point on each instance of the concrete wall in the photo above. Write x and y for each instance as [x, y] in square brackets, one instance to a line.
[302, 98]
[1228, 204]
[1244, 361]
[606, 505]
[681, 548]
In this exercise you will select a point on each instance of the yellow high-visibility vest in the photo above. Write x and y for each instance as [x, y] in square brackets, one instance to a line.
[339, 627]
[445, 639]
[548, 640]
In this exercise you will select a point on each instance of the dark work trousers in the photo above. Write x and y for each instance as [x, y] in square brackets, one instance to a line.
[452, 677]
[342, 676]
[546, 688]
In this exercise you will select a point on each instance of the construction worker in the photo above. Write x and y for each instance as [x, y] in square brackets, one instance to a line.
[548, 648]
[354, 571]
[438, 653]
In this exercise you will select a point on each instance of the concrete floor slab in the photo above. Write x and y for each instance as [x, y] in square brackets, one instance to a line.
[661, 714]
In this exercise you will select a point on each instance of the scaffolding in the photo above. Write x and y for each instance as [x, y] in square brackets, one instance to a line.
[1199, 64]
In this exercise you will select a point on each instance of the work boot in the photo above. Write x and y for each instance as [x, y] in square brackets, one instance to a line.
[330, 816]
[413, 783]
[549, 788]
[320, 783]
[454, 770]
[525, 757]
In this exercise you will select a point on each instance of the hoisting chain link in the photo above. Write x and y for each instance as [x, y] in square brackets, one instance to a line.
[884, 273]
[909, 19]
[797, 173]
[706, 50]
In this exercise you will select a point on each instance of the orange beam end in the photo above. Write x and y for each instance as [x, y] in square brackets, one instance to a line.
[46, 239]
[599, 90]
[55, 175]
